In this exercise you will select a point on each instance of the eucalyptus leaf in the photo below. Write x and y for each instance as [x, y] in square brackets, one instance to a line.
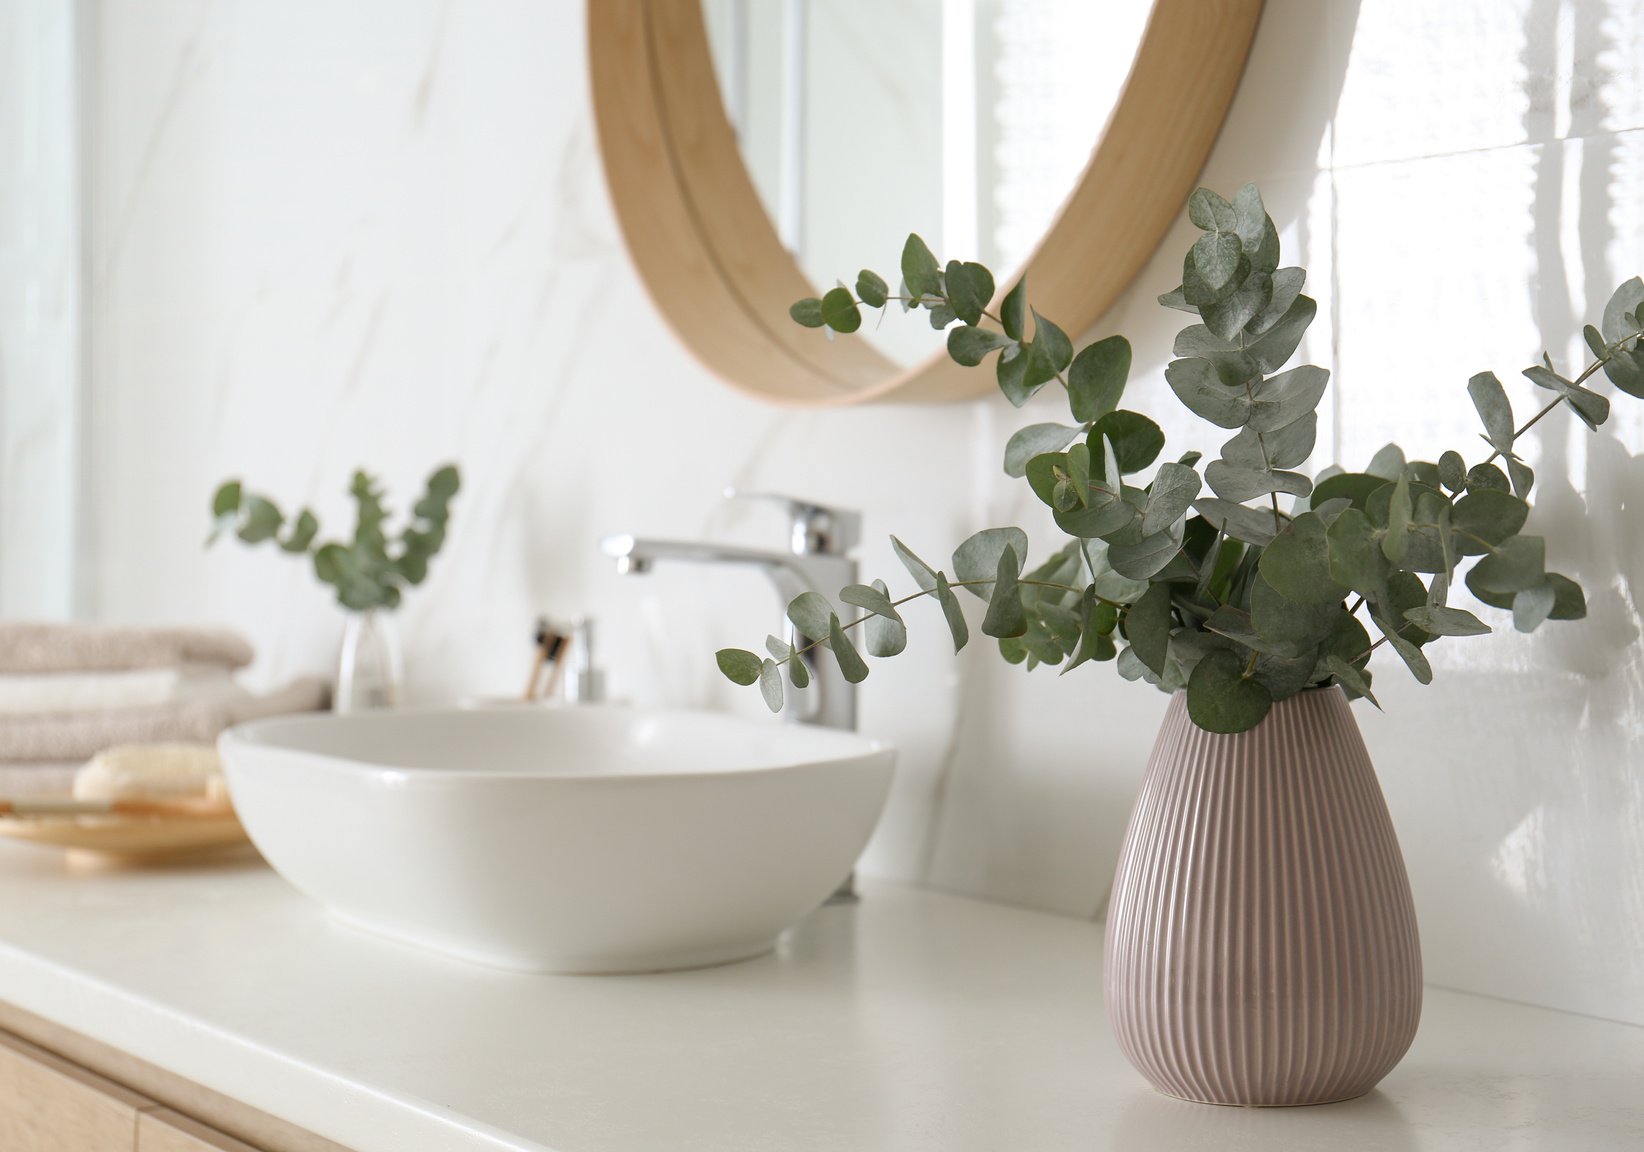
[1279, 342]
[807, 312]
[952, 612]
[260, 519]
[887, 635]
[1281, 399]
[1174, 488]
[1036, 440]
[1281, 448]
[978, 557]
[874, 597]
[1228, 316]
[920, 271]
[1137, 441]
[1453, 471]
[1220, 699]
[226, 500]
[1096, 378]
[871, 289]
[1217, 262]
[1351, 678]
[1409, 653]
[1446, 621]
[1004, 616]
[1356, 487]
[970, 346]
[839, 310]
[1211, 212]
[851, 664]
[1147, 624]
[1297, 563]
[1050, 354]
[1516, 564]
[738, 666]
[1532, 606]
[970, 290]
[1592, 408]
[1482, 477]
[1485, 517]
[1356, 558]
[1231, 482]
[1252, 525]
[1013, 311]
[770, 685]
[812, 615]
[1287, 285]
[1490, 399]
[923, 574]
[1399, 513]
[1201, 391]
[1148, 556]
[1289, 626]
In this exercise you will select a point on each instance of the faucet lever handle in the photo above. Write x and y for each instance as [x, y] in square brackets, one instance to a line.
[817, 528]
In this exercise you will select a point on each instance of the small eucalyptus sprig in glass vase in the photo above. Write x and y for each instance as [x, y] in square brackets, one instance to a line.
[366, 573]
[369, 573]
[1233, 594]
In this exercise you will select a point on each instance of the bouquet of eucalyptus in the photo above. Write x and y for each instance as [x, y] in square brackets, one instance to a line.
[1239, 579]
[371, 570]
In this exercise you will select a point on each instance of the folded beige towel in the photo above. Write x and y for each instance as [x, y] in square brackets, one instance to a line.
[37, 779]
[80, 736]
[33, 693]
[38, 647]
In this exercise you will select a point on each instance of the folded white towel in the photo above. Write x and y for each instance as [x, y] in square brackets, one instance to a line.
[27, 695]
[81, 735]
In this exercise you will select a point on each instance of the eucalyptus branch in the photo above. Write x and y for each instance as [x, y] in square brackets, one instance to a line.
[923, 592]
[1587, 372]
[1177, 555]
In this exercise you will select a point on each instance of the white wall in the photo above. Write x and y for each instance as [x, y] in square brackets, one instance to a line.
[376, 233]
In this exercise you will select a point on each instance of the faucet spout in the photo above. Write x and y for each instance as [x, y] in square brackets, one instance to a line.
[833, 704]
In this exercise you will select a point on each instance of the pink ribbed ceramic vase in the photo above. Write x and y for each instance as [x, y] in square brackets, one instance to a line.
[1261, 940]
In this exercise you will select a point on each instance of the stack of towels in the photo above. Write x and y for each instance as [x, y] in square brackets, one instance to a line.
[70, 691]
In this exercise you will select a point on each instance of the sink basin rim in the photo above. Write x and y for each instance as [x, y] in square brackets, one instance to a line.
[849, 746]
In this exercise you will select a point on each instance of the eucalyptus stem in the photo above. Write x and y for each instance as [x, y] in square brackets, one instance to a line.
[931, 592]
[1586, 372]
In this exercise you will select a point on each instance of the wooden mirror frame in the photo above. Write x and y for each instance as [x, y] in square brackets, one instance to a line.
[710, 256]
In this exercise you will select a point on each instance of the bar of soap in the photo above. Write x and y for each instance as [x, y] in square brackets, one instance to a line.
[152, 771]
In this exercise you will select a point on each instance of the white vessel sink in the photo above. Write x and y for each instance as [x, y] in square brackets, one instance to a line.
[560, 840]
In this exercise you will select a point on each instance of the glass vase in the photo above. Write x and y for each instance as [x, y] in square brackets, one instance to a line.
[370, 669]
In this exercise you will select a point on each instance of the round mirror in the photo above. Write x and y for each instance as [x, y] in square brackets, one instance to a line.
[969, 121]
[759, 150]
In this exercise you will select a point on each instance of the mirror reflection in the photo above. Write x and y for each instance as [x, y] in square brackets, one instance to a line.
[981, 132]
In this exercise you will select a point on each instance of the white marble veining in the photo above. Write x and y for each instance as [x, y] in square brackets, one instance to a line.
[377, 233]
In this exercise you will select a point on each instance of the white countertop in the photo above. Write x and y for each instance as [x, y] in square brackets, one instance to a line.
[911, 1021]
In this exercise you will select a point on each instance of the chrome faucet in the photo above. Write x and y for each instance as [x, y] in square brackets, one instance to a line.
[820, 537]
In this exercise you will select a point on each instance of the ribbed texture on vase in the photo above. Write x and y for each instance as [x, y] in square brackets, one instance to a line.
[1261, 940]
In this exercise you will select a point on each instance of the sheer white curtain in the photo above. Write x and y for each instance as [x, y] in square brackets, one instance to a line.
[40, 306]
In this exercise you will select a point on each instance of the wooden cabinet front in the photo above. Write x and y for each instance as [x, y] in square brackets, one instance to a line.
[50, 1105]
